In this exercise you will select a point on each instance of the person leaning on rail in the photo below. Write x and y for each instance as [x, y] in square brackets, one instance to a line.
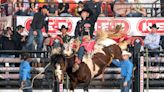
[24, 72]
[39, 21]
[126, 70]
[152, 41]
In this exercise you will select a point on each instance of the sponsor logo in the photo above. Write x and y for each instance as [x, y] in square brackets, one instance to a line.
[27, 23]
[109, 24]
[54, 24]
[143, 25]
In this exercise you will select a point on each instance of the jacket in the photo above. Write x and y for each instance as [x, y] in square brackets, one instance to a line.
[39, 21]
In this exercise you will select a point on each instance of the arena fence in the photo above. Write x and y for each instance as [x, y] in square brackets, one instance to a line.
[151, 70]
[9, 73]
[148, 73]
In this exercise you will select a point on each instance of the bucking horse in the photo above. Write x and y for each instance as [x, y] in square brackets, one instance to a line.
[92, 64]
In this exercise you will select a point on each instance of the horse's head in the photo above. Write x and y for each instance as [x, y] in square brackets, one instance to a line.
[59, 63]
[71, 47]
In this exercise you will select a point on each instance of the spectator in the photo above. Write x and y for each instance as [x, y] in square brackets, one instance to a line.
[63, 9]
[137, 10]
[19, 40]
[59, 39]
[122, 9]
[79, 8]
[106, 8]
[33, 4]
[32, 10]
[24, 72]
[9, 29]
[39, 21]
[126, 71]
[152, 41]
[26, 4]
[7, 43]
[53, 10]
[65, 37]
[20, 10]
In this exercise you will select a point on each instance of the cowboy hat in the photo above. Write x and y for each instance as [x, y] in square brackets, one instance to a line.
[126, 53]
[63, 26]
[19, 27]
[154, 26]
[86, 10]
[25, 56]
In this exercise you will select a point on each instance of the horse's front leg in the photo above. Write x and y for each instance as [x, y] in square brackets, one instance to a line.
[73, 85]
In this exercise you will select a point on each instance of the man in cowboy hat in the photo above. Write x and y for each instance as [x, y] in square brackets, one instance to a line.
[152, 41]
[64, 34]
[85, 25]
[89, 15]
[126, 70]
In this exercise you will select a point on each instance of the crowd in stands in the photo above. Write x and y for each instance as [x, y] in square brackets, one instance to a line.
[109, 8]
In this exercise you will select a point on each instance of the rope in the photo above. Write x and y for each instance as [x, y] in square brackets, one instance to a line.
[21, 88]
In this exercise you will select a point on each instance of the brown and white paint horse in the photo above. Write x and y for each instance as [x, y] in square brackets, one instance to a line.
[92, 65]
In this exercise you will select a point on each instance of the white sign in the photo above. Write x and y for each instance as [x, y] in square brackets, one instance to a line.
[132, 26]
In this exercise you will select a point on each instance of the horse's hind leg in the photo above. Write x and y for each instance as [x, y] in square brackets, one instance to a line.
[86, 86]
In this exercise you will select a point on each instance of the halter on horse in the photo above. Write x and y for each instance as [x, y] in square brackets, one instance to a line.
[93, 65]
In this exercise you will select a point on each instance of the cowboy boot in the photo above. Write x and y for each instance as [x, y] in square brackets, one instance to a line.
[76, 64]
[77, 60]
[75, 67]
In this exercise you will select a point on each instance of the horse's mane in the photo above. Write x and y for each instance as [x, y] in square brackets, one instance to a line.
[101, 35]
[113, 33]
[56, 57]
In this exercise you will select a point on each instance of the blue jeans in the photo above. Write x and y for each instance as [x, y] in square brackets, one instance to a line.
[129, 15]
[81, 53]
[31, 39]
[136, 14]
[123, 88]
[27, 84]
[65, 15]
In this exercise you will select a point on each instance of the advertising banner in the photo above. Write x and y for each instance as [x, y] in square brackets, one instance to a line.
[132, 26]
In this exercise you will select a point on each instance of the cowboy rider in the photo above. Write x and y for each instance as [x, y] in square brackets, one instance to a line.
[84, 31]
